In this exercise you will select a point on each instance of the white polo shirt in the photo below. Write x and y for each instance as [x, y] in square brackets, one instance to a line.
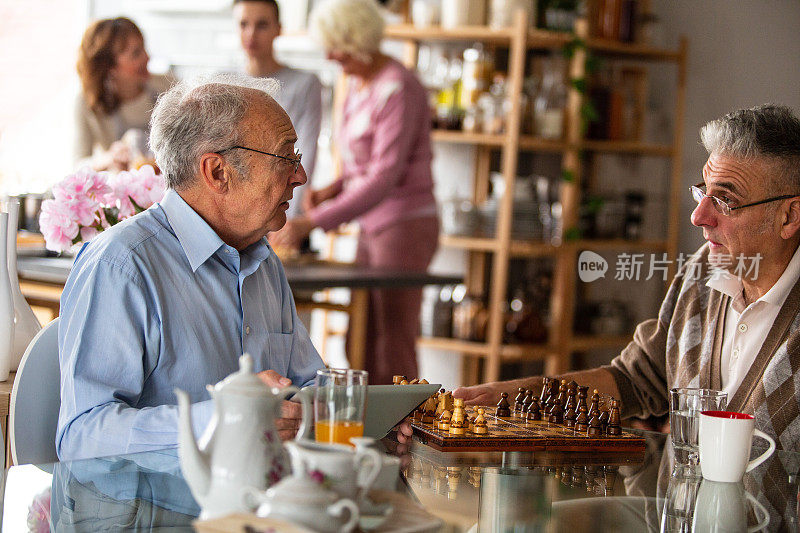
[746, 328]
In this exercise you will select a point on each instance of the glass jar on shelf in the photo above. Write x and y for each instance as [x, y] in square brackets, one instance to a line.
[477, 67]
[551, 101]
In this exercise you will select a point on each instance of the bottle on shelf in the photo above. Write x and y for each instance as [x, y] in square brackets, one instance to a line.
[551, 101]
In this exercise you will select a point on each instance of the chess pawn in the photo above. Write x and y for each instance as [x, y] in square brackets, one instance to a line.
[582, 422]
[503, 407]
[604, 421]
[458, 422]
[594, 408]
[481, 427]
[521, 392]
[583, 392]
[533, 412]
[444, 421]
[527, 400]
[614, 423]
[595, 426]
[562, 392]
[571, 415]
[556, 413]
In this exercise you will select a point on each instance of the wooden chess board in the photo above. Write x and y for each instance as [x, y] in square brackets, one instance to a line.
[515, 434]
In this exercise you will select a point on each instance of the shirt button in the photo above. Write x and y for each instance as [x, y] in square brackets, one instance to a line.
[735, 354]
[247, 330]
[742, 327]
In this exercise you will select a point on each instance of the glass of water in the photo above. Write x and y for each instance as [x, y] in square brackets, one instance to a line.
[685, 407]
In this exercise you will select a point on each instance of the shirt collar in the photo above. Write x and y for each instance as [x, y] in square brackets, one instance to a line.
[776, 295]
[198, 240]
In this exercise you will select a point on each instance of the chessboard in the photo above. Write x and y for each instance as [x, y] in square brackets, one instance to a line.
[513, 433]
[562, 421]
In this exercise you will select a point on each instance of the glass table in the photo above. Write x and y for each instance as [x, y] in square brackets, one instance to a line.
[457, 492]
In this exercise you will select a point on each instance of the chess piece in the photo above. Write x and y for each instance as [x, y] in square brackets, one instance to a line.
[583, 392]
[572, 397]
[453, 478]
[444, 420]
[614, 427]
[594, 407]
[595, 426]
[527, 400]
[429, 410]
[554, 385]
[604, 421]
[582, 422]
[481, 427]
[397, 379]
[570, 416]
[503, 407]
[533, 412]
[414, 381]
[562, 392]
[445, 402]
[424, 382]
[471, 424]
[545, 391]
[519, 399]
[458, 422]
[556, 412]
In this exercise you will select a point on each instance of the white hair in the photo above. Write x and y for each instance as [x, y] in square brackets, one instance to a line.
[200, 115]
[352, 26]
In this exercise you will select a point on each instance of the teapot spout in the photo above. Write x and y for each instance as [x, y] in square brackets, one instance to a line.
[194, 463]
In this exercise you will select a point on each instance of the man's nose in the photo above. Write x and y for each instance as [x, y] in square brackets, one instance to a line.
[705, 214]
[300, 177]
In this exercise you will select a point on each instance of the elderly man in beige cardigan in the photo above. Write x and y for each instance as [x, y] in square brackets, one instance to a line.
[739, 331]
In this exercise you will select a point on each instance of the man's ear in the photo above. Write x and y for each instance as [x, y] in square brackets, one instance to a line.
[215, 172]
[791, 219]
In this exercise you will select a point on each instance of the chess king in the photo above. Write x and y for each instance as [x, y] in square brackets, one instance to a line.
[734, 331]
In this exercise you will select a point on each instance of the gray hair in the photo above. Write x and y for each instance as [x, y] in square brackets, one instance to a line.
[200, 115]
[352, 26]
[767, 132]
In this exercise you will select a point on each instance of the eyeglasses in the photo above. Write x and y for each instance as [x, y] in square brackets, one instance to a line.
[293, 160]
[722, 206]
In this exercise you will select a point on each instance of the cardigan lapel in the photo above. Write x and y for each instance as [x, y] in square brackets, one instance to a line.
[775, 337]
[714, 373]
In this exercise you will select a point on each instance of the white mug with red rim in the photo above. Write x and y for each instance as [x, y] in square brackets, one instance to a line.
[725, 438]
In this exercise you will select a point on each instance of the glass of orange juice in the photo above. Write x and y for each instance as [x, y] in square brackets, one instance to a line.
[340, 401]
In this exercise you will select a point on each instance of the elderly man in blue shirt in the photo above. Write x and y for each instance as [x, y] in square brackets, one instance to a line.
[173, 296]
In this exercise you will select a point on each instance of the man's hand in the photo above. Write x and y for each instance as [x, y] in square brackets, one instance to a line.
[312, 198]
[290, 420]
[291, 412]
[273, 379]
[484, 394]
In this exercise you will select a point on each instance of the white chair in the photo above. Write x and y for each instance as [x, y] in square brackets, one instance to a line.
[35, 400]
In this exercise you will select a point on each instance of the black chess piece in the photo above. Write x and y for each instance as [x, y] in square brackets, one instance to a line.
[572, 396]
[533, 413]
[570, 416]
[594, 407]
[526, 402]
[583, 392]
[503, 407]
[519, 399]
[603, 421]
[614, 426]
[582, 422]
[556, 413]
[595, 426]
[554, 385]
[543, 397]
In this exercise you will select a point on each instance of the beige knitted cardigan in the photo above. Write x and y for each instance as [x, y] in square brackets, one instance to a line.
[681, 348]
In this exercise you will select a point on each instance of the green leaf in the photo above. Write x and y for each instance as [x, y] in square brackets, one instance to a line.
[567, 175]
[579, 84]
[136, 206]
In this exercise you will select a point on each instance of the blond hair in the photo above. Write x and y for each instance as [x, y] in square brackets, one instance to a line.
[351, 26]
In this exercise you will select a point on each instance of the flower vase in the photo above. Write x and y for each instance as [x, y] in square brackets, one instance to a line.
[6, 306]
[26, 325]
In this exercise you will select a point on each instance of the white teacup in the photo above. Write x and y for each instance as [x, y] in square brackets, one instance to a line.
[348, 469]
[721, 507]
[725, 439]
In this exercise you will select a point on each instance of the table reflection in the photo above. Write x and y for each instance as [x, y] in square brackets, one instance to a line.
[468, 492]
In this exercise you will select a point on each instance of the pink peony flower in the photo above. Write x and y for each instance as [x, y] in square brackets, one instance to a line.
[88, 202]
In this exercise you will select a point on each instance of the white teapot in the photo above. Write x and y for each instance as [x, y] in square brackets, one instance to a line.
[241, 448]
[302, 500]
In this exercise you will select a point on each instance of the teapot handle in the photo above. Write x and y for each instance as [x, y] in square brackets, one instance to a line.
[305, 424]
[337, 508]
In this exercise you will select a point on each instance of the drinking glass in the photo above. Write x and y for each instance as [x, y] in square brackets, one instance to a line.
[686, 404]
[340, 402]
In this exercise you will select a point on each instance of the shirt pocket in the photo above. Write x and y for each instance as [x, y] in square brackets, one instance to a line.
[280, 350]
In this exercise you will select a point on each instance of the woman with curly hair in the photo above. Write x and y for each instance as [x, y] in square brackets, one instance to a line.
[118, 92]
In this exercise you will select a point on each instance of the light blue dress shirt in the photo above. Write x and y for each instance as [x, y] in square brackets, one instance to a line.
[157, 302]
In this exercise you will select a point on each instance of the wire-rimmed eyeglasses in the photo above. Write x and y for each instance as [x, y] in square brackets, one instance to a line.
[293, 160]
[722, 206]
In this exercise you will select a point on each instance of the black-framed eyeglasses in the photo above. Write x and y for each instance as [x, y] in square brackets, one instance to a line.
[293, 160]
[722, 206]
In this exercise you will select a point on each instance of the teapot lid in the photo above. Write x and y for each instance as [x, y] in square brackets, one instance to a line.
[244, 381]
[302, 488]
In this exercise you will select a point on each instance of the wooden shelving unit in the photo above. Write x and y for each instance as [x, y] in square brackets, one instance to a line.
[500, 248]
